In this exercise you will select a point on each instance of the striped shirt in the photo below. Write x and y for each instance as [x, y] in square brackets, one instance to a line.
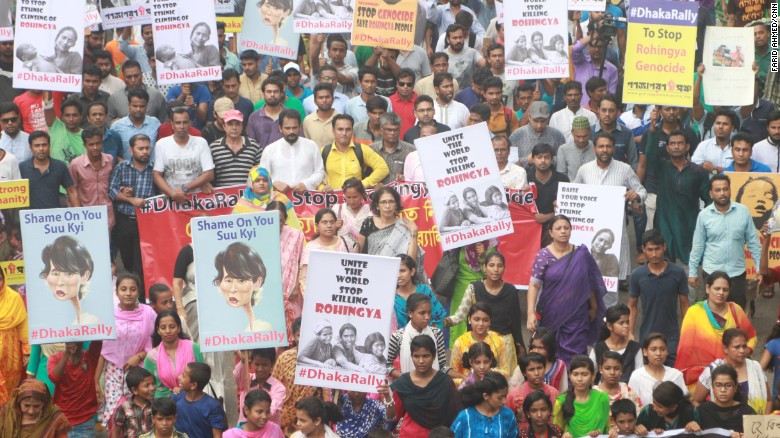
[232, 169]
[394, 349]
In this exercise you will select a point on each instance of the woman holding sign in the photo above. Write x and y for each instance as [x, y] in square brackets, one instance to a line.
[326, 239]
[292, 241]
[386, 234]
[564, 306]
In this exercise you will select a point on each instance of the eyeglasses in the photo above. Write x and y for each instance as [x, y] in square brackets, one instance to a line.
[10, 120]
[387, 202]
[425, 110]
[405, 84]
[729, 385]
[327, 78]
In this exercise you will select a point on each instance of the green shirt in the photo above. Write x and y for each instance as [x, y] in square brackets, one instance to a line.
[151, 366]
[763, 63]
[677, 203]
[65, 145]
[291, 103]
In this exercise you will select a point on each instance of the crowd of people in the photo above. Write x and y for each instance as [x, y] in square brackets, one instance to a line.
[345, 118]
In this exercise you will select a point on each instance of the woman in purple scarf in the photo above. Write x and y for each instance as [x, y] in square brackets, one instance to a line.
[571, 302]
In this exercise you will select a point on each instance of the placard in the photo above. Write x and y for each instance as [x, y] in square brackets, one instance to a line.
[728, 62]
[465, 186]
[536, 39]
[69, 287]
[661, 53]
[49, 45]
[268, 30]
[185, 41]
[385, 23]
[6, 25]
[596, 215]
[123, 13]
[92, 15]
[231, 12]
[13, 196]
[761, 426]
[345, 328]
[586, 5]
[238, 276]
[314, 16]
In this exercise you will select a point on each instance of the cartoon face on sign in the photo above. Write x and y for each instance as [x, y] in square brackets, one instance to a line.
[240, 277]
[68, 267]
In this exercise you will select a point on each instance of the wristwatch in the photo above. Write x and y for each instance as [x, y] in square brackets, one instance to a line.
[184, 188]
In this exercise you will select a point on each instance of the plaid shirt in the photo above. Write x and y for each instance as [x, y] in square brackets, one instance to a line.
[126, 175]
[133, 420]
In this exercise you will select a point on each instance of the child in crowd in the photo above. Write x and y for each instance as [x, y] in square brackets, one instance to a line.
[614, 337]
[623, 419]
[15, 240]
[725, 409]
[582, 410]
[644, 380]
[172, 60]
[263, 361]
[28, 54]
[73, 374]
[484, 411]
[133, 417]
[537, 408]
[313, 417]
[164, 419]
[199, 414]
[160, 297]
[611, 370]
[769, 358]
[555, 372]
[479, 360]
[257, 411]
[670, 410]
[532, 367]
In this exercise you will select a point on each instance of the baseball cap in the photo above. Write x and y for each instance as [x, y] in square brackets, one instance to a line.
[233, 115]
[292, 66]
[538, 110]
[223, 105]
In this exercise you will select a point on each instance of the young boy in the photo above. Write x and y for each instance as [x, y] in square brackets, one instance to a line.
[164, 417]
[73, 375]
[199, 414]
[624, 419]
[134, 416]
[263, 360]
[532, 367]
[160, 297]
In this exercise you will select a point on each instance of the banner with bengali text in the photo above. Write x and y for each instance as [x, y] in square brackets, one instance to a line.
[115, 14]
[660, 53]
[164, 226]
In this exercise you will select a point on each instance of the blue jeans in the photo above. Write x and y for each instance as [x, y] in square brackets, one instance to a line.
[83, 430]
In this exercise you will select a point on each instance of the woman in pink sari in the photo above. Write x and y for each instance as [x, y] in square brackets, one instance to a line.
[292, 242]
[134, 327]
[352, 212]
[172, 351]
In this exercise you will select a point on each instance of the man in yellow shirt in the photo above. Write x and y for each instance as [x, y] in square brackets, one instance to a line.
[343, 160]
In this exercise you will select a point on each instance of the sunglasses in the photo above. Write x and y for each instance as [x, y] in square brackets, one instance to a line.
[405, 84]
[10, 120]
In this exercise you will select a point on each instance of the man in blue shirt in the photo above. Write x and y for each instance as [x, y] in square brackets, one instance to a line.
[136, 122]
[722, 230]
[741, 152]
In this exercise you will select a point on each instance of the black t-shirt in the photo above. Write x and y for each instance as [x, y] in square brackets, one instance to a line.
[546, 193]
[183, 260]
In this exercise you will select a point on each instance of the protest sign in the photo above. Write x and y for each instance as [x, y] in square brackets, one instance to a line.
[92, 15]
[313, 16]
[758, 192]
[123, 13]
[459, 170]
[345, 327]
[49, 45]
[164, 226]
[185, 41]
[586, 5]
[69, 287]
[385, 23]
[682, 433]
[660, 60]
[13, 196]
[761, 426]
[6, 24]
[536, 39]
[231, 12]
[268, 30]
[728, 62]
[596, 214]
[240, 296]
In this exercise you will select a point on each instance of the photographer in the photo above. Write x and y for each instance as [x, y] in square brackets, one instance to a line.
[592, 62]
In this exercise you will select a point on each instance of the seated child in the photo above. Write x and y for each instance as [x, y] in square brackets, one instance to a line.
[172, 60]
[163, 419]
[199, 414]
[262, 360]
[624, 419]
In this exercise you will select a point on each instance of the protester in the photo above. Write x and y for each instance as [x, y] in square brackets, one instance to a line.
[172, 351]
[30, 411]
[479, 319]
[643, 380]
[13, 339]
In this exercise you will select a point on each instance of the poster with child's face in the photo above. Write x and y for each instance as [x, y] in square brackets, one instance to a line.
[69, 288]
[238, 276]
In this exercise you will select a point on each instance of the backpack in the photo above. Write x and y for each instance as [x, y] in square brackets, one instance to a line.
[358, 154]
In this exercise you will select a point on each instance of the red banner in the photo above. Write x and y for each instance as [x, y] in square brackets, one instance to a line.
[164, 226]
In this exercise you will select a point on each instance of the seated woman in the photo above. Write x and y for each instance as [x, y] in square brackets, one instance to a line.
[319, 352]
[479, 318]
[753, 389]
[485, 412]
[424, 397]
[31, 413]
[724, 410]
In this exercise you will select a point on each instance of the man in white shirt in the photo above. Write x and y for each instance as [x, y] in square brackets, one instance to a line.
[109, 83]
[182, 162]
[13, 139]
[295, 162]
[444, 15]
[714, 154]
[447, 111]
[562, 120]
[766, 151]
[512, 175]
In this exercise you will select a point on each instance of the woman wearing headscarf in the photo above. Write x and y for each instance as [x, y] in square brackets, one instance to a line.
[14, 347]
[319, 352]
[259, 192]
[44, 420]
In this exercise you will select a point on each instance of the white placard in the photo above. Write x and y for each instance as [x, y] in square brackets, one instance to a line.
[537, 40]
[728, 66]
